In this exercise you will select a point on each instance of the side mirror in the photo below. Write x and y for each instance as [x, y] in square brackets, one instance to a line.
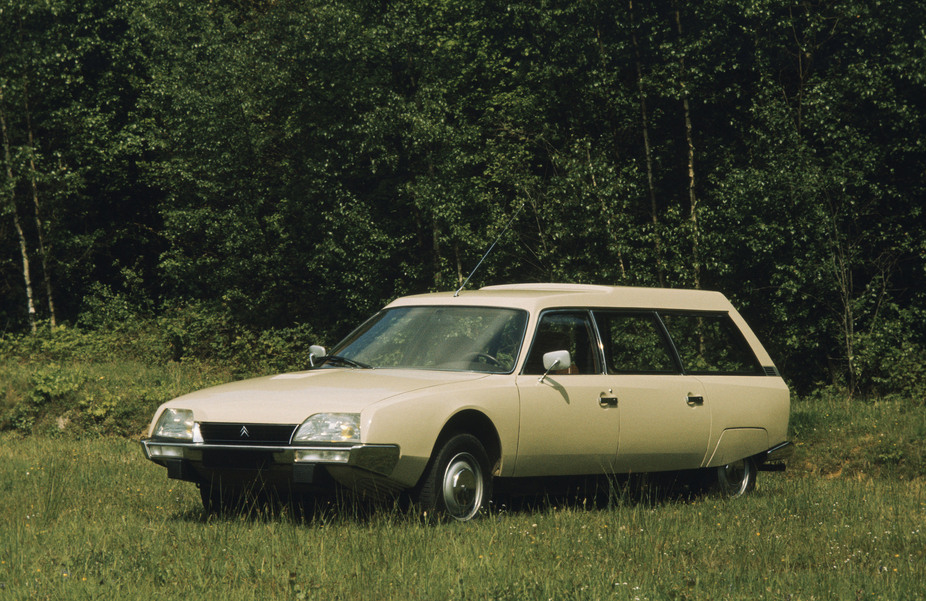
[555, 360]
[316, 351]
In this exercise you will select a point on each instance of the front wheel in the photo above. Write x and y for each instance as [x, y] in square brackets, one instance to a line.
[736, 478]
[457, 483]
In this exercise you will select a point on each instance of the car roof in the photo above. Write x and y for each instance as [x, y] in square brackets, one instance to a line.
[534, 297]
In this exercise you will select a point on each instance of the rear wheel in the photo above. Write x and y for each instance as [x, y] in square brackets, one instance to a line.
[457, 483]
[736, 478]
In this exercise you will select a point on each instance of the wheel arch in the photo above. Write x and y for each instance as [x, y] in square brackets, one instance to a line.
[477, 423]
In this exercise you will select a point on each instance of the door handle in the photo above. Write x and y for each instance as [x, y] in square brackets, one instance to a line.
[606, 400]
[695, 400]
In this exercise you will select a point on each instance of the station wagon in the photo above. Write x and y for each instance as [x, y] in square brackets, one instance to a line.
[443, 396]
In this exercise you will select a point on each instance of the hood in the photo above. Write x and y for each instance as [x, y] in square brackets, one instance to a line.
[290, 398]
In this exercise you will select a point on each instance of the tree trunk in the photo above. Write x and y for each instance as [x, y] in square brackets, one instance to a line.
[840, 262]
[648, 153]
[692, 197]
[591, 170]
[435, 249]
[43, 253]
[23, 247]
[607, 213]
[456, 254]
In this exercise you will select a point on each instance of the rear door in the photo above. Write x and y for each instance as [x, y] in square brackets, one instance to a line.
[712, 349]
[665, 415]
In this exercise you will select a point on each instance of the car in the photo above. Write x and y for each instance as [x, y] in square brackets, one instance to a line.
[444, 395]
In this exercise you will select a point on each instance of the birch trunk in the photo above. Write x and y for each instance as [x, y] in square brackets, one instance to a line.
[39, 227]
[23, 247]
[647, 150]
[689, 138]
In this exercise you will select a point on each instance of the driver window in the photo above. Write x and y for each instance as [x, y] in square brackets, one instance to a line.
[563, 331]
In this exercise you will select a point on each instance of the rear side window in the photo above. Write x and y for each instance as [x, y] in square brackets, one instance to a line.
[634, 343]
[710, 343]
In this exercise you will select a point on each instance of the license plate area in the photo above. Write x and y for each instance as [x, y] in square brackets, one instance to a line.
[235, 459]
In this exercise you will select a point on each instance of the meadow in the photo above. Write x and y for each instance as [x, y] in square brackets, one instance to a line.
[87, 517]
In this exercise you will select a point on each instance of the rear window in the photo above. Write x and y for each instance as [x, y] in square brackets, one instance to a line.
[710, 343]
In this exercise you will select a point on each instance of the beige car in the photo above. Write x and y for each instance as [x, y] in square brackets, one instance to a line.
[443, 395]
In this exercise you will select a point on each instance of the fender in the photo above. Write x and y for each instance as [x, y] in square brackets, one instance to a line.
[737, 443]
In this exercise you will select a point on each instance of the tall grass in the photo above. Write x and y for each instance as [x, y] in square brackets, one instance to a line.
[91, 519]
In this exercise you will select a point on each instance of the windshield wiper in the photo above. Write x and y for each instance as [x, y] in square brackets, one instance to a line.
[345, 361]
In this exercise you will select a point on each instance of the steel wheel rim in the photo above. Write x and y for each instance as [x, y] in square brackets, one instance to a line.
[734, 477]
[462, 486]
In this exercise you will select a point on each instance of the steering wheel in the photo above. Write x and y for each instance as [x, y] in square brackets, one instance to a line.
[485, 357]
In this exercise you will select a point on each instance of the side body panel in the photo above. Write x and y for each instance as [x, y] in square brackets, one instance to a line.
[665, 422]
[565, 428]
[414, 421]
[752, 402]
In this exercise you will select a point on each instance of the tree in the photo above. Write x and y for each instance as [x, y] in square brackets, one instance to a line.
[9, 206]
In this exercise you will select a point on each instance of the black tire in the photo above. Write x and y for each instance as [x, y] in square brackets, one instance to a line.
[457, 483]
[736, 478]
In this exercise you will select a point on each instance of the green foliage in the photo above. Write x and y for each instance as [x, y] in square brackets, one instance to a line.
[244, 174]
[50, 388]
[891, 357]
[110, 380]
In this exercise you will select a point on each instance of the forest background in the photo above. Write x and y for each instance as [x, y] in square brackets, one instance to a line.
[234, 180]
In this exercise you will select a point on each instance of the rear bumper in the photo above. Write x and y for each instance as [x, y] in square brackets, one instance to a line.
[773, 460]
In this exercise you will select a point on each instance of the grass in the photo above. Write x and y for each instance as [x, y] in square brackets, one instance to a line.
[85, 518]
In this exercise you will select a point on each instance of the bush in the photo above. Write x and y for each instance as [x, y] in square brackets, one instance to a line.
[108, 375]
[207, 334]
[891, 361]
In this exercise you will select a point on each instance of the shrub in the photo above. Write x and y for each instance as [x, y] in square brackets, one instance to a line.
[891, 361]
[109, 374]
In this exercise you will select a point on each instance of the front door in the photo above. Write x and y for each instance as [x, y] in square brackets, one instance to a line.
[569, 423]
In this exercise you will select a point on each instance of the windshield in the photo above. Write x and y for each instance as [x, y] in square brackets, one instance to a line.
[451, 338]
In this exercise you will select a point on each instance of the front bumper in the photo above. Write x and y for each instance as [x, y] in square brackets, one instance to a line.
[189, 460]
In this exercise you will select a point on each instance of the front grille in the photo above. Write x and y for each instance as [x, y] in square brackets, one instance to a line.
[247, 434]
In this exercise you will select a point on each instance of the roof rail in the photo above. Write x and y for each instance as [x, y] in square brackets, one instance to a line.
[552, 287]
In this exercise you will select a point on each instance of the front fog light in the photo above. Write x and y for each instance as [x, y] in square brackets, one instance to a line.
[329, 427]
[322, 456]
[176, 424]
[157, 450]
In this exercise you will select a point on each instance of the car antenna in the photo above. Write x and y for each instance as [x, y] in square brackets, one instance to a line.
[510, 221]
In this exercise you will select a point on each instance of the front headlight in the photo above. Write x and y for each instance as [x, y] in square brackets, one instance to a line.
[329, 427]
[176, 424]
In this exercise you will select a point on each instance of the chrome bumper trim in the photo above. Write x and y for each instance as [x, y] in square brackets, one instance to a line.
[780, 452]
[377, 458]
